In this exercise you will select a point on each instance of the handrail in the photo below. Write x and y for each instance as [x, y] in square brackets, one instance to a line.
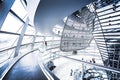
[92, 64]
[52, 48]
[15, 60]
[51, 73]
[52, 40]
[12, 48]
[23, 45]
[5, 60]
[43, 69]
[15, 46]
[13, 33]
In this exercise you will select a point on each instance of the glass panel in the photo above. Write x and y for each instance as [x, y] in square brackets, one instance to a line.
[57, 38]
[27, 39]
[19, 9]
[7, 40]
[5, 55]
[39, 39]
[25, 49]
[11, 24]
[37, 45]
[48, 38]
[30, 30]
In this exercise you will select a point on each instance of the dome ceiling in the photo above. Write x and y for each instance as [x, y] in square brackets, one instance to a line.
[51, 12]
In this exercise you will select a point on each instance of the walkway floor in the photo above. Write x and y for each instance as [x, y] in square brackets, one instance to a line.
[64, 66]
[26, 68]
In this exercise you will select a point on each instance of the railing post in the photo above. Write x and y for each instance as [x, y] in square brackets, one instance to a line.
[21, 37]
[34, 38]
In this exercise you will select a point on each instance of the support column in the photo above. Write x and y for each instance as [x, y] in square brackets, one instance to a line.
[21, 37]
[34, 38]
